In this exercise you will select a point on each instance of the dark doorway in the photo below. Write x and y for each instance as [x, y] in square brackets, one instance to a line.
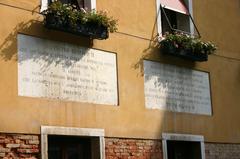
[183, 150]
[71, 147]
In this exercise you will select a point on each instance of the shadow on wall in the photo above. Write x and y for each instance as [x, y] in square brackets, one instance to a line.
[150, 52]
[9, 46]
[238, 77]
[153, 53]
[8, 49]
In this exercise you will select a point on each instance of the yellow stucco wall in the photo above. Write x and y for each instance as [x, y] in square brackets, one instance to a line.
[218, 21]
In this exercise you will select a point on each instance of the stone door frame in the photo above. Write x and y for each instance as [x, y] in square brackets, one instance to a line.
[70, 131]
[182, 137]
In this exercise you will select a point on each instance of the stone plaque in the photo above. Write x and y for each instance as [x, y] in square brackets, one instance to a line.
[176, 89]
[63, 71]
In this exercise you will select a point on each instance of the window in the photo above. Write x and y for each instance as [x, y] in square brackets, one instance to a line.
[73, 147]
[72, 143]
[175, 15]
[183, 146]
[183, 149]
[78, 3]
[89, 4]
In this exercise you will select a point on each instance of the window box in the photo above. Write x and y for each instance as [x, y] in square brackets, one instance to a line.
[175, 17]
[88, 29]
[187, 47]
[67, 18]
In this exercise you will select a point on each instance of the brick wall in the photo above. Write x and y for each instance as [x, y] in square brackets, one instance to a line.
[222, 151]
[117, 148]
[18, 146]
[133, 149]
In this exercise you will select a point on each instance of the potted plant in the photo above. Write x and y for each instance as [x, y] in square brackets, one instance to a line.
[186, 46]
[66, 17]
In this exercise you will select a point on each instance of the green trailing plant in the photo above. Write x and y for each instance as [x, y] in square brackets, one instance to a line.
[69, 15]
[180, 41]
[101, 18]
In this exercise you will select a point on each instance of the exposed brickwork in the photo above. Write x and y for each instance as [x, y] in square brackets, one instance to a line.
[16, 146]
[133, 149]
[222, 151]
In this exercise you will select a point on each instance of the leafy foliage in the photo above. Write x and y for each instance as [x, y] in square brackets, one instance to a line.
[67, 13]
[180, 41]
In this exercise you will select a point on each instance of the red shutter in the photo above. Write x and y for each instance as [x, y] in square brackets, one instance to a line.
[175, 5]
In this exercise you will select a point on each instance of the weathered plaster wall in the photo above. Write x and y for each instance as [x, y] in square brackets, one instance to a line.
[217, 21]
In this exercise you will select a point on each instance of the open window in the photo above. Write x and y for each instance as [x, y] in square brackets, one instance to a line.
[175, 15]
[89, 4]
[78, 3]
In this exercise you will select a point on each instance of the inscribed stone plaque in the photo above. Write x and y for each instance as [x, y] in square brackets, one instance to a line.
[63, 71]
[176, 89]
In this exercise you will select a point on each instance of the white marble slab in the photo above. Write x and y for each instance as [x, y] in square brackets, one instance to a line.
[58, 70]
[176, 89]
